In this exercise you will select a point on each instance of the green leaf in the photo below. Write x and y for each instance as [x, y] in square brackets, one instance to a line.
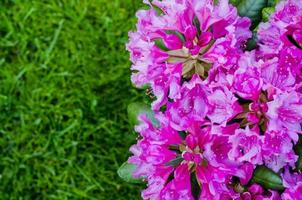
[267, 178]
[266, 13]
[175, 162]
[252, 9]
[235, 2]
[125, 172]
[298, 151]
[160, 44]
[195, 186]
[178, 34]
[182, 134]
[158, 10]
[137, 108]
[196, 23]
[299, 163]
[252, 42]
[272, 3]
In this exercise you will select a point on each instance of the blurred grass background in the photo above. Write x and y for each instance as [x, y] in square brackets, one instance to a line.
[64, 89]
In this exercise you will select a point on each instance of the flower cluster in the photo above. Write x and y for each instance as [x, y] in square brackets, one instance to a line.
[222, 111]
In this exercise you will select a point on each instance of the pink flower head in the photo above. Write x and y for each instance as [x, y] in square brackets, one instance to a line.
[179, 187]
[222, 112]
[280, 39]
[191, 107]
[198, 36]
[277, 150]
[168, 160]
[294, 193]
[150, 150]
[293, 185]
[223, 105]
[275, 75]
[247, 80]
[255, 191]
[246, 146]
[290, 179]
[285, 111]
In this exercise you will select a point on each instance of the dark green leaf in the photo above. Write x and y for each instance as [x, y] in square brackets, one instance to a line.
[235, 2]
[251, 43]
[272, 3]
[195, 187]
[178, 34]
[175, 162]
[125, 172]
[170, 178]
[267, 178]
[252, 9]
[137, 108]
[298, 150]
[293, 41]
[175, 148]
[197, 25]
[160, 44]
[158, 10]
[299, 163]
[182, 134]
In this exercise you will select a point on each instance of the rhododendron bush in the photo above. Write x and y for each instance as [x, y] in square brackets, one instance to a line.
[225, 83]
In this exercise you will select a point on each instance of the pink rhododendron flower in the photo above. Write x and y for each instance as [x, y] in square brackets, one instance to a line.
[285, 111]
[274, 75]
[294, 193]
[222, 112]
[197, 35]
[293, 185]
[191, 107]
[280, 39]
[290, 179]
[163, 152]
[246, 146]
[247, 80]
[178, 187]
[223, 105]
[277, 150]
[256, 192]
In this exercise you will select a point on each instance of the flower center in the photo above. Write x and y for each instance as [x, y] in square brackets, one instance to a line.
[254, 113]
[185, 154]
[191, 55]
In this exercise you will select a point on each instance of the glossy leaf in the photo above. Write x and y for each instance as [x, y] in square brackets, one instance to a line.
[178, 34]
[251, 43]
[175, 162]
[272, 3]
[299, 163]
[298, 150]
[137, 108]
[160, 44]
[235, 2]
[126, 171]
[267, 178]
[195, 186]
[252, 9]
[182, 134]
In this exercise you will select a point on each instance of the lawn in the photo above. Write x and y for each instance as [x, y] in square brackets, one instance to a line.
[64, 89]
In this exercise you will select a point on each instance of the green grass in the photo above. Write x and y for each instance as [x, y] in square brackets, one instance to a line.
[64, 89]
